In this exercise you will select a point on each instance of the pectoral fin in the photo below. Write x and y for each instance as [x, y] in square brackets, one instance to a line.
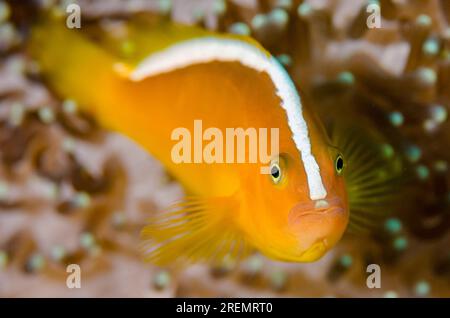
[196, 229]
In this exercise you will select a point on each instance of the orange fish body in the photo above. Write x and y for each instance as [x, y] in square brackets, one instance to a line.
[295, 213]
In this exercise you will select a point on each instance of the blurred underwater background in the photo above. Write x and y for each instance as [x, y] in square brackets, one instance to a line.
[71, 192]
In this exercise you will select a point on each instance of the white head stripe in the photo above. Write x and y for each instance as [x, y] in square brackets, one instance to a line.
[208, 49]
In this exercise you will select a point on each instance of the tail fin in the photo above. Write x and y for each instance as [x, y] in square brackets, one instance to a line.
[73, 65]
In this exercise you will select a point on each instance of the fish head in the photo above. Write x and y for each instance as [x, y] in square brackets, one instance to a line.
[302, 228]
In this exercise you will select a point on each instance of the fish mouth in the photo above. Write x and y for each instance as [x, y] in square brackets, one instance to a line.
[317, 226]
[316, 209]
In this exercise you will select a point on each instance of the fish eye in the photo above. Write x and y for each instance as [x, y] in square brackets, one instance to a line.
[339, 164]
[275, 172]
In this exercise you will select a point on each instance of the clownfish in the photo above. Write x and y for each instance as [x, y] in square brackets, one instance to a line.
[153, 77]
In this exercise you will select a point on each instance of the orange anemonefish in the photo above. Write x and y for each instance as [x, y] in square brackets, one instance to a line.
[147, 79]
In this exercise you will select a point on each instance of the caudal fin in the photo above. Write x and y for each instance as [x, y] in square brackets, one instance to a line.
[73, 65]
